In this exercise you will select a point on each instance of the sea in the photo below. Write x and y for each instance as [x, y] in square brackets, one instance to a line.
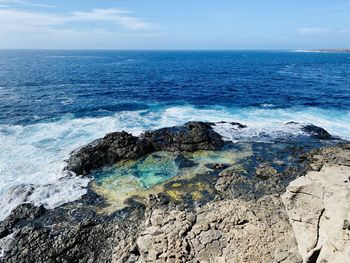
[55, 101]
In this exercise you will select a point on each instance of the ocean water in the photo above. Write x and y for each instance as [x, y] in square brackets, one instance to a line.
[52, 102]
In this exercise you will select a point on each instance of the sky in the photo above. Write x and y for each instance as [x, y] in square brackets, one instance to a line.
[176, 24]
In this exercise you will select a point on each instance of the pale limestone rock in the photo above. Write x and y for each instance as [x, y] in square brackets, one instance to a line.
[221, 231]
[318, 205]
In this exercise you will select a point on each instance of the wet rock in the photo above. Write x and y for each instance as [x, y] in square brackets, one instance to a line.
[118, 146]
[182, 162]
[159, 199]
[233, 184]
[235, 124]
[317, 132]
[217, 166]
[106, 151]
[191, 137]
[292, 123]
[236, 183]
[265, 171]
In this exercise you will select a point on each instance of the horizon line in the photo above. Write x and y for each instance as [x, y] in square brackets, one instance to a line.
[154, 49]
[324, 50]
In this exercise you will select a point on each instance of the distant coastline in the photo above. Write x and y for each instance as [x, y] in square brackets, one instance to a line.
[325, 50]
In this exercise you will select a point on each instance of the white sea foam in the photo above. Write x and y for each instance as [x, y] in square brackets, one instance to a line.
[33, 155]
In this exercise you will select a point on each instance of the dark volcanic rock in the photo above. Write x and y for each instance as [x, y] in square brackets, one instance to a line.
[117, 146]
[316, 132]
[217, 166]
[193, 136]
[236, 124]
[292, 122]
[106, 151]
[66, 235]
[22, 213]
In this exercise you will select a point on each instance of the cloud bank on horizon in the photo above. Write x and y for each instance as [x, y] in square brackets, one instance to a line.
[165, 24]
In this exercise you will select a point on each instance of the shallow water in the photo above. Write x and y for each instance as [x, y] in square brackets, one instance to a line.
[156, 172]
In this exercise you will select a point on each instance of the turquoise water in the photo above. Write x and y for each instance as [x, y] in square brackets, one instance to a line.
[144, 173]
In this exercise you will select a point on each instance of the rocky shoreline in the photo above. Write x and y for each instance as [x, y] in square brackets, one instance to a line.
[276, 204]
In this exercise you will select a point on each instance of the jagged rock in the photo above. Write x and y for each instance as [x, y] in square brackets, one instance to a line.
[117, 146]
[331, 155]
[317, 132]
[240, 186]
[217, 166]
[292, 123]
[67, 235]
[221, 231]
[318, 205]
[264, 171]
[106, 151]
[193, 136]
[235, 124]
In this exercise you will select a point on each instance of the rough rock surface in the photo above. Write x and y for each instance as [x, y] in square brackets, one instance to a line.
[34, 234]
[318, 205]
[317, 132]
[117, 146]
[193, 136]
[221, 231]
[314, 131]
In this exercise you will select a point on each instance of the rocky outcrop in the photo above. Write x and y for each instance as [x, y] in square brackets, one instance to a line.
[221, 231]
[313, 131]
[33, 234]
[191, 137]
[117, 146]
[318, 205]
[106, 151]
[317, 132]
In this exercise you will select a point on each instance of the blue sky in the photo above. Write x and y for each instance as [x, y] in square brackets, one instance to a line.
[177, 24]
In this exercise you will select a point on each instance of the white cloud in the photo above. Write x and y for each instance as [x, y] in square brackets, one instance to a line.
[27, 21]
[319, 31]
[313, 30]
[97, 28]
[9, 3]
[116, 16]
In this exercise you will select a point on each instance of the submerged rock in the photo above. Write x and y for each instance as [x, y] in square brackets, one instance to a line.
[265, 171]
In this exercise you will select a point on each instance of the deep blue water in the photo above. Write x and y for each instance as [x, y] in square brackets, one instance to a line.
[52, 102]
[45, 85]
